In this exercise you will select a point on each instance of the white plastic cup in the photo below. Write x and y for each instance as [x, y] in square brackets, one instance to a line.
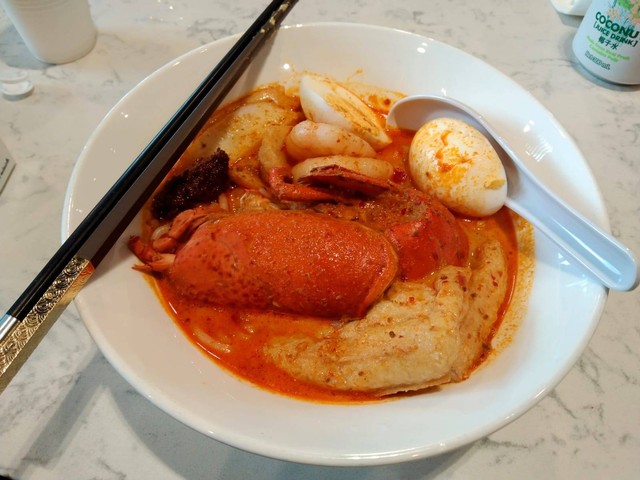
[54, 31]
[607, 42]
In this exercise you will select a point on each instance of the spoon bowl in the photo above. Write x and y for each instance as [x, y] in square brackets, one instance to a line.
[599, 253]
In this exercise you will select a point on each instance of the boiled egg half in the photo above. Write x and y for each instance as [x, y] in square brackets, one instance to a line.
[453, 161]
[326, 101]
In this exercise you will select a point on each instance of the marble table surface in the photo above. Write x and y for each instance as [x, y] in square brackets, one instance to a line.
[69, 414]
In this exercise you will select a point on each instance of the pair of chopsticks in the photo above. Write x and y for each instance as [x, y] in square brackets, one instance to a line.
[35, 311]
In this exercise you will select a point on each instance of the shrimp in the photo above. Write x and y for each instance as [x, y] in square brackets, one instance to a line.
[310, 139]
[275, 169]
[307, 181]
[414, 338]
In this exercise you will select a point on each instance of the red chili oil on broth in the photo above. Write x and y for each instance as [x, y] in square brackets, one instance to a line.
[235, 338]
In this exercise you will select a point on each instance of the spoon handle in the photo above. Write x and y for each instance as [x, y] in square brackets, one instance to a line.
[600, 253]
[610, 261]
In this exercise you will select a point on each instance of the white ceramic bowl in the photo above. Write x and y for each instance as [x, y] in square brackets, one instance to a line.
[133, 331]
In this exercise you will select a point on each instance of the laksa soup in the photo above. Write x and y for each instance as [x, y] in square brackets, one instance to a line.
[315, 252]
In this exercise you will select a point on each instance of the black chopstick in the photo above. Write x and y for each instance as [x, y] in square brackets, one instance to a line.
[68, 269]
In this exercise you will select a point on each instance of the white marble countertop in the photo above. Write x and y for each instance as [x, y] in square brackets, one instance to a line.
[69, 414]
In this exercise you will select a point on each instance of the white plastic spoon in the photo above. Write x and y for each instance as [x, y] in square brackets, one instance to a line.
[604, 256]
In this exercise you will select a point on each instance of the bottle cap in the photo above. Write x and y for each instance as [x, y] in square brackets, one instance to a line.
[15, 84]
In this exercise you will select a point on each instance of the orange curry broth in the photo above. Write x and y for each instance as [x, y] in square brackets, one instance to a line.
[235, 338]
[212, 328]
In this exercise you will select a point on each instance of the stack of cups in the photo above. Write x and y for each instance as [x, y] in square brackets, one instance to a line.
[54, 31]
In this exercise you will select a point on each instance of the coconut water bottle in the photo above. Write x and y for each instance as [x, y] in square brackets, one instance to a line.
[607, 42]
